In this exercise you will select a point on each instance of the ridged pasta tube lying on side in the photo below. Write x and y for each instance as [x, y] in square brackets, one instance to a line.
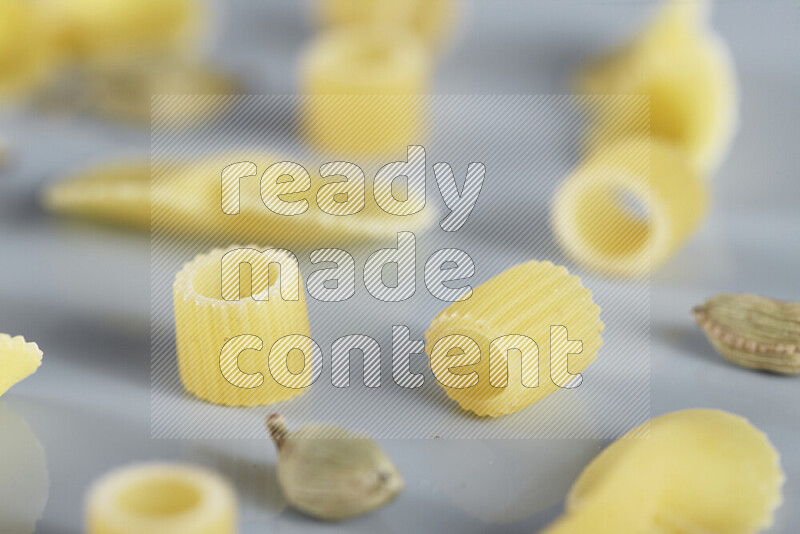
[18, 360]
[688, 471]
[626, 209]
[161, 498]
[239, 352]
[686, 70]
[364, 86]
[516, 339]
[431, 20]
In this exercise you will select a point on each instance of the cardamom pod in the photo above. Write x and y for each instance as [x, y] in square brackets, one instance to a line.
[331, 474]
[753, 331]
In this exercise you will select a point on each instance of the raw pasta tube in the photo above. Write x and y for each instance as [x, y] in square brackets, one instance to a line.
[626, 209]
[516, 339]
[161, 498]
[431, 20]
[364, 85]
[18, 360]
[242, 352]
[184, 199]
[687, 72]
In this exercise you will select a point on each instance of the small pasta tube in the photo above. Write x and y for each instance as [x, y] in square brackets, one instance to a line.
[161, 498]
[18, 360]
[431, 20]
[364, 86]
[242, 334]
[516, 339]
[686, 71]
[624, 211]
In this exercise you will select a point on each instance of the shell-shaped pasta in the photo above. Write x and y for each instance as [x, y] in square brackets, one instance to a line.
[686, 70]
[161, 498]
[24, 480]
[687, 471]
[431, 20]
[239, 352]
[365, 86]
[626, 209]
[532, 307]
[18, 360]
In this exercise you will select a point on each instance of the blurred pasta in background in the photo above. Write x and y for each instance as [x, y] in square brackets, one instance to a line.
[624, 212]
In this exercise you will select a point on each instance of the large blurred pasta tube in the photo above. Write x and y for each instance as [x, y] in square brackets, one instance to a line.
[124, 92]
[364, 87]
[185, 201]
[25, 53]
[516, 339]
[432, 20]
[103, 31]
[24, 482]
[627, 208]
[686, 69]
[234, 349]
[161, 498]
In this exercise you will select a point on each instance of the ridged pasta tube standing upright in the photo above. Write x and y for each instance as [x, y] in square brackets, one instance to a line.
[516, 339]
[626, 209]
[161, 498]
[364, 86]
[253, 351]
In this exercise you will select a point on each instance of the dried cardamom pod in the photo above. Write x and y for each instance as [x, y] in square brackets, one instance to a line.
[752, 331]
[331, 474]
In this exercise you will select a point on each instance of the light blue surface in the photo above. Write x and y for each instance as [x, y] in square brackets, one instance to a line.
[89, 404]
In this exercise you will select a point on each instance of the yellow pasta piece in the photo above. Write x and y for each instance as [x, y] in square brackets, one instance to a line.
[686, 70]
[25, 55]
[432, 20]
[116, 193]
[98, 31]
[364, 85]
[535, 306]
[688, 471]
[243, 352]
[161, 498]
[625, 210]
[124, 90]
[18, 360]
[186, 200]
[24, 481]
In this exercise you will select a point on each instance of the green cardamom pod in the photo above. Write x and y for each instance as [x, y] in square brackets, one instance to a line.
[331, 474]
[753, 331]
